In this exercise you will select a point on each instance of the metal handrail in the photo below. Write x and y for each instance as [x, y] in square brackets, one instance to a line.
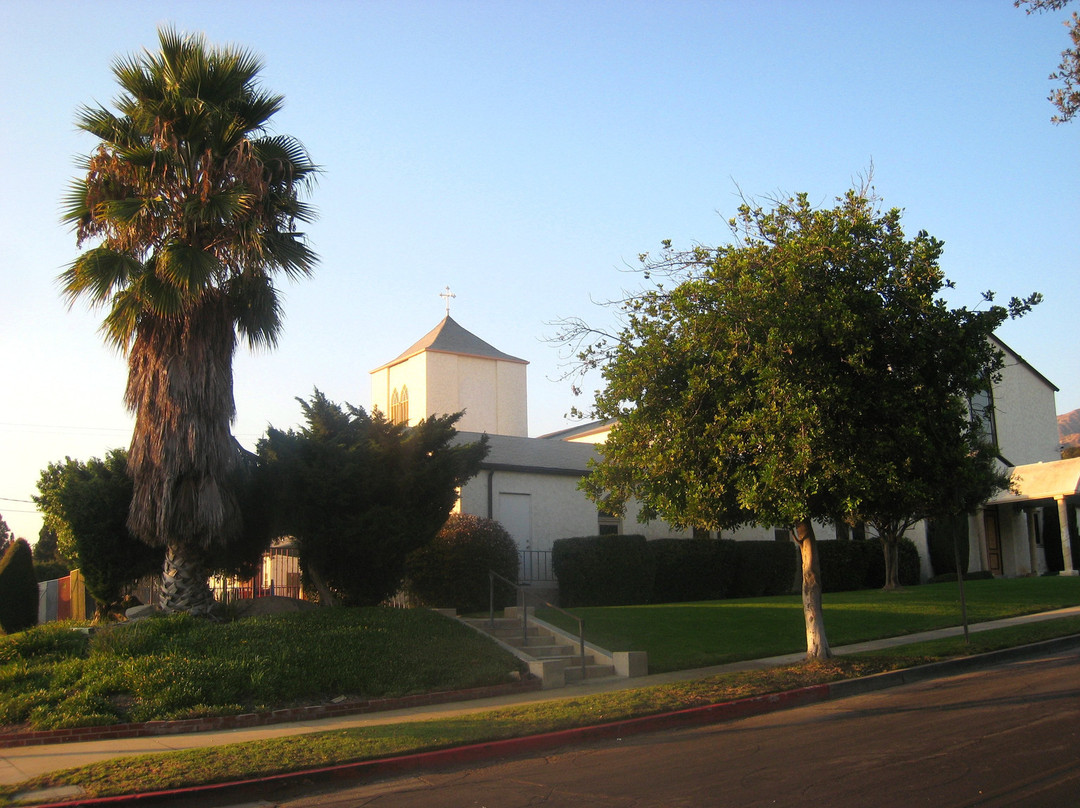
[522, 597]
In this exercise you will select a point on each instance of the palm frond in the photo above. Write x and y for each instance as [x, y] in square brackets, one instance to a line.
[188, 269]
[256, 309]
[97, 275]
[290, 252]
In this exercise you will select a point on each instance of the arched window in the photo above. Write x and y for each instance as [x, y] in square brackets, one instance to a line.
[399, 406]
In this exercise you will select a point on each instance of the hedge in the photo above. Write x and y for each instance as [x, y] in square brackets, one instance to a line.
[628, 570]
[603, 570]
[851, 565]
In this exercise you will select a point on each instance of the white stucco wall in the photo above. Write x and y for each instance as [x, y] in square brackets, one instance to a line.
[1026, 415]
[491, 392]
[412, 373]
[558, 509]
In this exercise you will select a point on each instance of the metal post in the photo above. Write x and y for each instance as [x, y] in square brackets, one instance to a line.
[581, 636]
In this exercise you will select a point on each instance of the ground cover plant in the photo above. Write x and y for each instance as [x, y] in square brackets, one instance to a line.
[692, 635]
[181, 667]
[260, 758]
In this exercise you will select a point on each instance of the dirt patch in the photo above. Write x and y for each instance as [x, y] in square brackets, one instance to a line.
[257, 607]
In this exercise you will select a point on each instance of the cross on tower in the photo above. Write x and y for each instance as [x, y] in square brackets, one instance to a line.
[447, 296]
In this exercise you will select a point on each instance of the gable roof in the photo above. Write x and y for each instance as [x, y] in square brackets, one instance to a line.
[449, 337]
[533, 455]
[580, 430]
[1020, 360]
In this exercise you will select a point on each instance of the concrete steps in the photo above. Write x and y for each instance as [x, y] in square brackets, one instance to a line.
[552, 654]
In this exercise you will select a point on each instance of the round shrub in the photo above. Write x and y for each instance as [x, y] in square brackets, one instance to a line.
[452, 570]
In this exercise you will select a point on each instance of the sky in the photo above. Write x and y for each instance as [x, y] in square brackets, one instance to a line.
[525, 154]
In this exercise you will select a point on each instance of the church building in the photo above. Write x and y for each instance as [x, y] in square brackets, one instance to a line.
[530, 485]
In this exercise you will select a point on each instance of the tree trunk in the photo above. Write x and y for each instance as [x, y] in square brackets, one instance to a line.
[890, 545]
[184, 585]
[326, 597]
[817, 644]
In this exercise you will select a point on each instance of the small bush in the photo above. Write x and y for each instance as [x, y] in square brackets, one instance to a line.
[940, 535]
[603, 570]
[452, 570]
[18, 588]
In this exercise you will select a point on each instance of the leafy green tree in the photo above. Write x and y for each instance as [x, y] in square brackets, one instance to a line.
[1066, 97]
[753, 384]
[193, 210]
[360, 493]
[47, 547]
[91, 501]
[18, 588]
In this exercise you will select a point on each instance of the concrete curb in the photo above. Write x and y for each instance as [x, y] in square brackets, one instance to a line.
[694, 716]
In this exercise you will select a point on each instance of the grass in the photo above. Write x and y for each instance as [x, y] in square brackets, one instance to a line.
[179, 667]
[694, 635]
[296, 753]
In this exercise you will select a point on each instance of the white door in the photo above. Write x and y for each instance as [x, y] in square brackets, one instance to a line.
[515, 514]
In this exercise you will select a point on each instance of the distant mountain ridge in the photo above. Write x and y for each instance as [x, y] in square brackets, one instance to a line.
[1069, 428]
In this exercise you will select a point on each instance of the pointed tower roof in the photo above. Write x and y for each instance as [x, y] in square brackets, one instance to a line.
[449, 337]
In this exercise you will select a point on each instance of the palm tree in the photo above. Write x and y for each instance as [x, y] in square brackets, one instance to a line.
[192, 208]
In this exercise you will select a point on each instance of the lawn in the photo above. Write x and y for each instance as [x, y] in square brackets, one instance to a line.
[694, 635]
[179, 667]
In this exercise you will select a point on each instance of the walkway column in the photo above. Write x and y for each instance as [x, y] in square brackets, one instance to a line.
[1066, 542]
[1031, 530]
[979, 520]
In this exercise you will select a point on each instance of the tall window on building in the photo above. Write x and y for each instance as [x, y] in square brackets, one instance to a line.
[399, 406]
[982, 414]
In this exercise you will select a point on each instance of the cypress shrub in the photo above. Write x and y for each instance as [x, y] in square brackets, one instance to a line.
[18, 588]
[603, 570]
[452, 570]
[692, 569]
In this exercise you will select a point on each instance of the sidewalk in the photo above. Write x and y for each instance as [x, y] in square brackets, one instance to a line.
[21, 763]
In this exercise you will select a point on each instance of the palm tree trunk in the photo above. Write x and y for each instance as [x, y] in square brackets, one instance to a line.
[182, 455]
[184, 585]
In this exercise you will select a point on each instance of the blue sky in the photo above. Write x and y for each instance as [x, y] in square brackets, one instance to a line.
[525, 153]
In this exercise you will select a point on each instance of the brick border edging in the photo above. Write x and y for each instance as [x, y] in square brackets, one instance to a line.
[244, 720]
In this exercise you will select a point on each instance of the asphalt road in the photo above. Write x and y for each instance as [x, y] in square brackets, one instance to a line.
[1005, 736]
